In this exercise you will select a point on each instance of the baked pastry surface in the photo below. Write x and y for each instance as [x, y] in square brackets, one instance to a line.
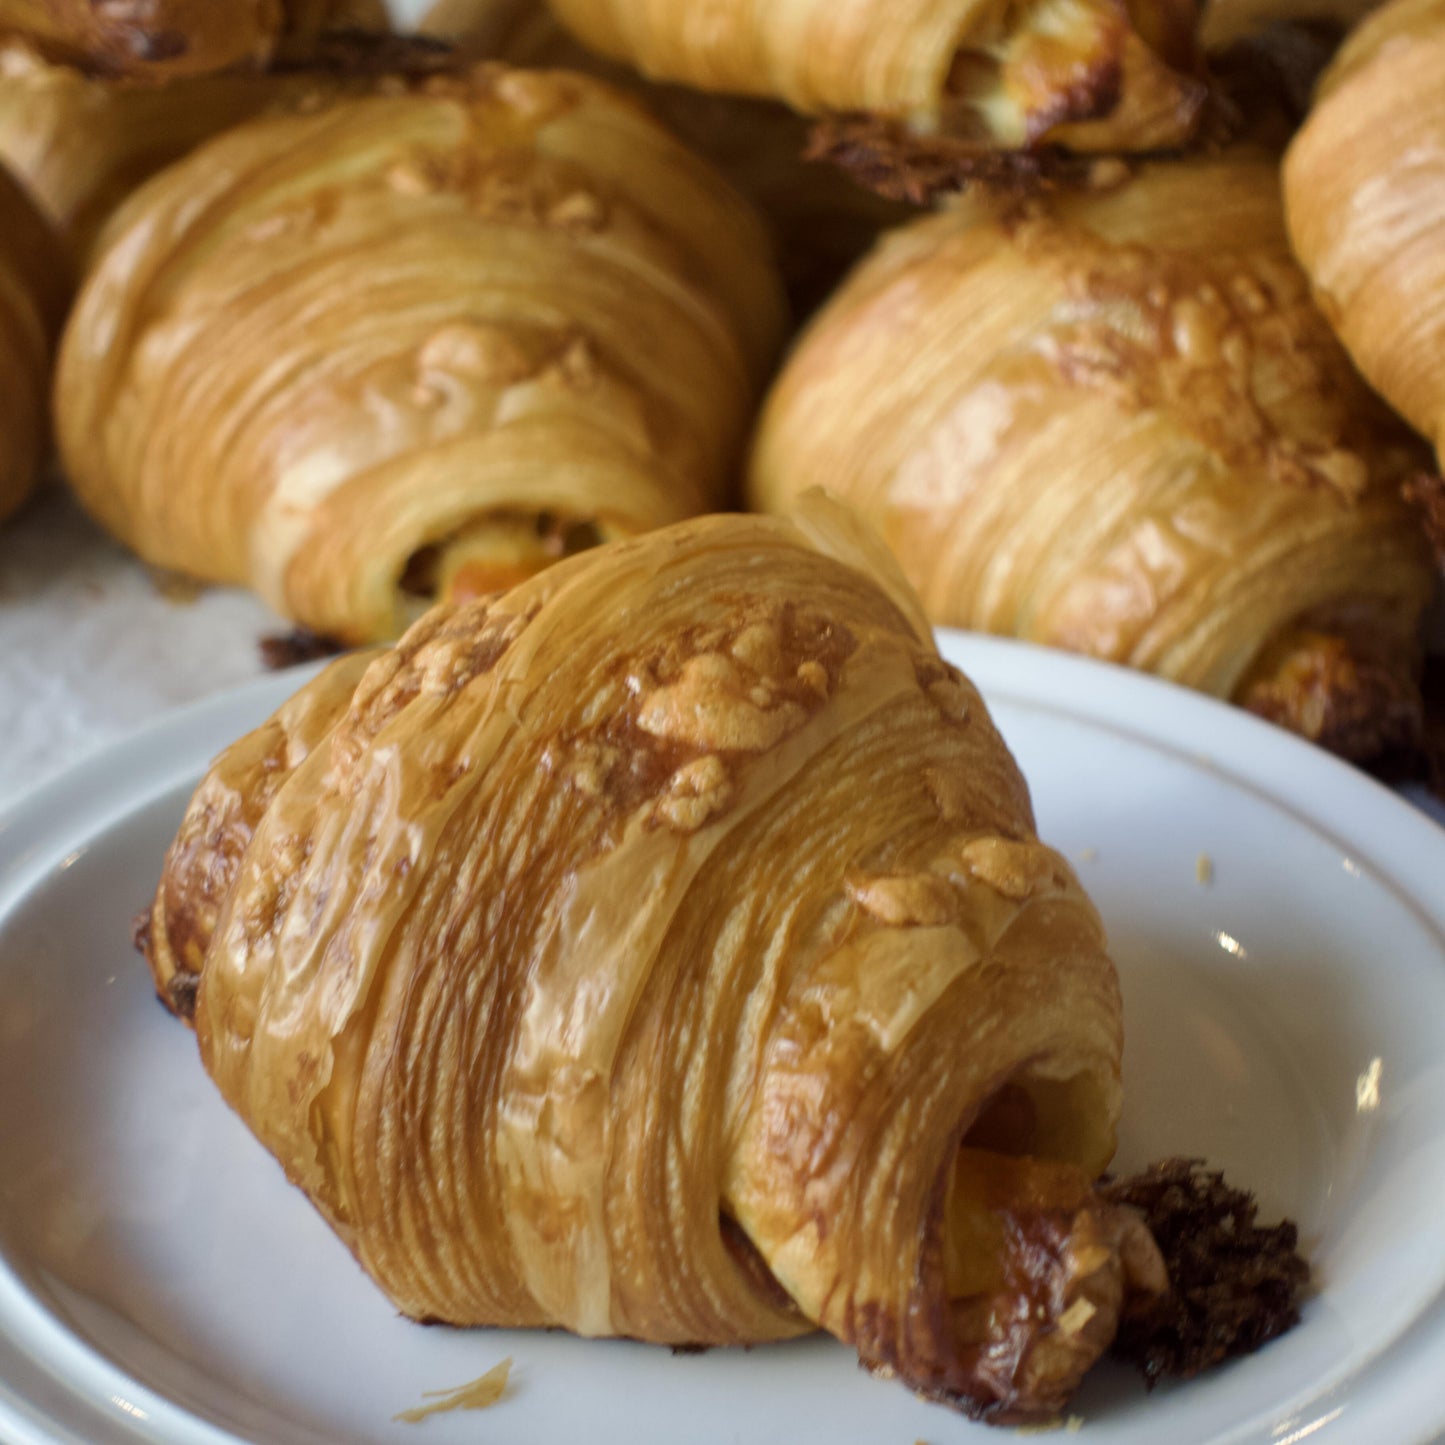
[83, 143]
[664, 949]
[1365, 196]
[417, 344]
[160, 39]
[1115, 422]
[1089, 75]
[820, 220]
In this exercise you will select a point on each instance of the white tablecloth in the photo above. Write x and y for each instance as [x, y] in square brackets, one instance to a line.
[92, 643]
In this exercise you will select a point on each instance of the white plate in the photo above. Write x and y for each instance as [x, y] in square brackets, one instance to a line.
[160, 1281]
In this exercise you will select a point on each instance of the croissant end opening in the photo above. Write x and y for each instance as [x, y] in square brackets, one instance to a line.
[495, 553]
[1036, 1269]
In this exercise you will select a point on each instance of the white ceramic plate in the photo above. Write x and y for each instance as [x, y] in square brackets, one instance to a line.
[160, 1281]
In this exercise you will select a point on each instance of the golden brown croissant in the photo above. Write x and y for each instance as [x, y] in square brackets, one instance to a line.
[664, 949]
[821, 222]
[1115, 423]
[417, 344]
[160, 39]
[33, 284]
[1088, 75]
[1365, 197]
[82, 144]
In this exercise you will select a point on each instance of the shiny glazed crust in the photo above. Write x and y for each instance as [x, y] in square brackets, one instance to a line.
[1365, 197]
[821, 221]
[325, 347]
[1114, 422]
[162, 39]
[1087, 74]
[632, 952]
[33, 286]
[82, 144]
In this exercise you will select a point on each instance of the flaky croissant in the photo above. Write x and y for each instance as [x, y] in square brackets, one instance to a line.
[33, 284]
[417, 344]
[664, 949]
[82, 144]
[1365, 197]
[1089, 75]
[161, 39]
[821, 222]
[1114, 422]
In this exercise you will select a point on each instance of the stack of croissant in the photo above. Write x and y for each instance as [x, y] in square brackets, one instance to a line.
[460, 337]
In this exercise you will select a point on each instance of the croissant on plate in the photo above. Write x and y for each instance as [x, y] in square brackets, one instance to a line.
[161, 39]
[1365, 198]
[82, 144]
[415, 345]
[1114, 422]
[821, 222]
[664, 949]
[33, 284]
[921, 92]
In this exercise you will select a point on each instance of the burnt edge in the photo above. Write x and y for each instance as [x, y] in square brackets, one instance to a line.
[1235, 1284]
[280, 650]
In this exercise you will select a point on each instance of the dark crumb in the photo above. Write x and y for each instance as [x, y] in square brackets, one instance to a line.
[1265, 82]
[1426, 493]
[140, 931]
[884, 156]
[290, 649]
[690, 1349]
[1235, 1285]
[1422, 762]
[360, 54]
[181, 995]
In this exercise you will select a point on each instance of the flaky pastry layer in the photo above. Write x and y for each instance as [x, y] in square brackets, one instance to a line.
[633, 952]
[1114, 422]
[324, 344]
[1087, 74]
[821, 222]
[83, 143]
[1365, 197]
[158, 40]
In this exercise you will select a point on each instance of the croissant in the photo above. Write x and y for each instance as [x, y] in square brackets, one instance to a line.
[1114, 422]
[83, 144]
[821, 222]
[954, 80]
[416, 344]
[32, 289]
[664, 949]
[160, 39]
[1365, 198]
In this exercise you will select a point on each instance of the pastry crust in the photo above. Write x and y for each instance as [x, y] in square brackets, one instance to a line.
[1089, 75]
[1365, 197]
[83, 144]
[633, 952]
[821, 222]
[1114, 422]
[161, 39]
[325, 345]
[33, 285]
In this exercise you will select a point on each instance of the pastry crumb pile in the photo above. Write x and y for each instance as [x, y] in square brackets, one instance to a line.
[1236, 1284]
